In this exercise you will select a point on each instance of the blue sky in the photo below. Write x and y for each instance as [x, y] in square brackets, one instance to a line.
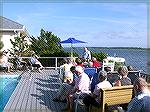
[99, 24]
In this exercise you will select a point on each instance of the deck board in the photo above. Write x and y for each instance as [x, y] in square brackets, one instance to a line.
[34, 93]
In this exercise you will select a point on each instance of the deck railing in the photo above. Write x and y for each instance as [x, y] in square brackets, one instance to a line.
[56, 62]
[50, 62]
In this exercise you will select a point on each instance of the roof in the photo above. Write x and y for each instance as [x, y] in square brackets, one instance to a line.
[8, 24]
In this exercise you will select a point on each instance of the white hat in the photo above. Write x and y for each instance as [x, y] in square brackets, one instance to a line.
[79, 69]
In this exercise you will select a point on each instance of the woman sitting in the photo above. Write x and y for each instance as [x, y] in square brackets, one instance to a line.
[35, 62]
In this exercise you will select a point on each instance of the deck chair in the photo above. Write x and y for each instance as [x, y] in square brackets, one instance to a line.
[133, 75]
[112, 77]
[20, 65]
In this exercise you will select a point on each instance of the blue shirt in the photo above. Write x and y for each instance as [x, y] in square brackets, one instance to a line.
[87, 55]
[140, 103]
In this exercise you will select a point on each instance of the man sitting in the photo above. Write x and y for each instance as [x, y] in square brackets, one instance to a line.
[141, 101]
[94, 98]
[82, 84]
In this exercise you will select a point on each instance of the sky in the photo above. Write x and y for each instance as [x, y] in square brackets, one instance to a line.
[98, 24]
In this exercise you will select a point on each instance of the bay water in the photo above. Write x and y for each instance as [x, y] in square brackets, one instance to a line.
[137, 57]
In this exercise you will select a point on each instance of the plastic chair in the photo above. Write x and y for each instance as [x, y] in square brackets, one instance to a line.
[133, 75]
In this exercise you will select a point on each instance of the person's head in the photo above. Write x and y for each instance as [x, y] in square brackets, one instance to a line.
[72, 69]
[64, 60]
[69, 60]
[90, 64]
[139, 85]
[78, 61]
[123, 71]
[130, 68]
[1, 54]
[69, 77]
[85, 49]
[79, 70]
[102, 75]
[94, 59]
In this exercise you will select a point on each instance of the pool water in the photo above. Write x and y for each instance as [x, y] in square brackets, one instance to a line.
[8, 84]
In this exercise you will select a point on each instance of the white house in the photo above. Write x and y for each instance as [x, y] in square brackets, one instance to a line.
[8, 30]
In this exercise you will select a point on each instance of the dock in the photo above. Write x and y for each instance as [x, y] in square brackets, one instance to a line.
[34, 93]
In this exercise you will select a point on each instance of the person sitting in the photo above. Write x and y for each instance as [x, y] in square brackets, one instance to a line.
[141, 101]
[123, 81]
[82, 84]
[66, 67]
[79, 62]
[96, 63]
[35, 62]
[123, 77]
[65, 88]
[4, 62]
[94, 98]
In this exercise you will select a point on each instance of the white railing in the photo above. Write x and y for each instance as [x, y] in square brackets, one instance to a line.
[55, 59]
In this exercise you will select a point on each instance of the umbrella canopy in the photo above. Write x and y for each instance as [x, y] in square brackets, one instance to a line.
[71, 41]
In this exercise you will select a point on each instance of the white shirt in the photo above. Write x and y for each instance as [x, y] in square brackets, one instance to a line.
[83, 82]
[104, 84]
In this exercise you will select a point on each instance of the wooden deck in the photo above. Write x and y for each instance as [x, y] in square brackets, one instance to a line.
[34, 93]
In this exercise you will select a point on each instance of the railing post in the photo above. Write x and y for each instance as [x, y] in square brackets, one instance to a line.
[56, 63]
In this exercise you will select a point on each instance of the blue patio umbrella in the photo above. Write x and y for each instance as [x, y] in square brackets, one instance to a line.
[71, 41]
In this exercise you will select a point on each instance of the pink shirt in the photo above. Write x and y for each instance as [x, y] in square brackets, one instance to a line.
[83, 82]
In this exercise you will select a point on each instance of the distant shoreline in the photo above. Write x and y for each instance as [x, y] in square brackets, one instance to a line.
[115, 48]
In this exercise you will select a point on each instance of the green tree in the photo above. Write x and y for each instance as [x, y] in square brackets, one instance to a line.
[47, 44]
[20, 44]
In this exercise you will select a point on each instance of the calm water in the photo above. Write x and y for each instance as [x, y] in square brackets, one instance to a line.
[7, 85]
[138, 58]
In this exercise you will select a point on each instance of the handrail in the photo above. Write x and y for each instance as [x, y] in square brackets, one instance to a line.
[56, 60]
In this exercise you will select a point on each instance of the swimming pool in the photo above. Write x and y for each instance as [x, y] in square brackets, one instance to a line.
[7, 85]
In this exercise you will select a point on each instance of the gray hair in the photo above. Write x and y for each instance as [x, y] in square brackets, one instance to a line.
[103, 74]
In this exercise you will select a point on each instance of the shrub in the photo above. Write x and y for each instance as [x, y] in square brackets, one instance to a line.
[99, 56]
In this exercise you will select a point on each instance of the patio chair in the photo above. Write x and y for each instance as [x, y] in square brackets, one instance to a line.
[133, 75]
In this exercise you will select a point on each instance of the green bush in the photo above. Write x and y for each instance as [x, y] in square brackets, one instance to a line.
[99, 56]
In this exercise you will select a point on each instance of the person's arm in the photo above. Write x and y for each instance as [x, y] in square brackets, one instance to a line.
[74, 91]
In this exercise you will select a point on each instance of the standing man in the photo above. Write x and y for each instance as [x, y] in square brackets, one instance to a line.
[86, 54]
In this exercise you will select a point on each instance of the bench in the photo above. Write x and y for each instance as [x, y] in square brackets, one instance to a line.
[114, 96]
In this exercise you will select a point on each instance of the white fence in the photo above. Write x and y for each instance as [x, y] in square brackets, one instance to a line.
[51, 62]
